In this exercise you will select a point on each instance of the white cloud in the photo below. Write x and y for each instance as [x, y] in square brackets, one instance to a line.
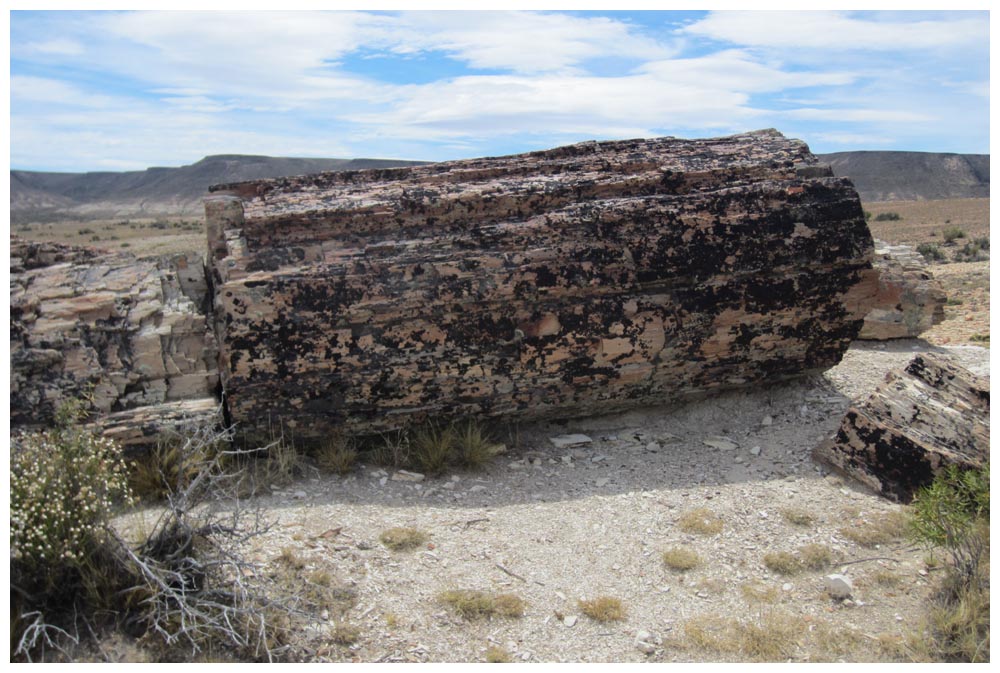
[838, 31]
[857, 115]
[523, 42]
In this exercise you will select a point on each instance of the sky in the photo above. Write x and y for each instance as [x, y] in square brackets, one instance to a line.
[113, 90]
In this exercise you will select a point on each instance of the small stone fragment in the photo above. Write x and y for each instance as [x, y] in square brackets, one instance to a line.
[767, 420]
[405, 475]
[563, 441]
[838, 586]
[569, 620]
[723, 443]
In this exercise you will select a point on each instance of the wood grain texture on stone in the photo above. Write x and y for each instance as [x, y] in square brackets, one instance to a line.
[909, 300]
[114, 330]
[930, 414]
[572, 281]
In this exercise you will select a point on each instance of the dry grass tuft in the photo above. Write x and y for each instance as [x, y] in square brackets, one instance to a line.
[603, 609]
[773, 636]
[345, 634]
[808, 557]
[338, 455]
[701, 521]
[403, 539]
[877, 530]
[798, 517]
[759, 593]
[290, 559]
[498, 655]
[473, 604]
[681, 558]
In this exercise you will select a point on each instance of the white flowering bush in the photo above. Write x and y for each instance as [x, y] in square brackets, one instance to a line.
[64, 485]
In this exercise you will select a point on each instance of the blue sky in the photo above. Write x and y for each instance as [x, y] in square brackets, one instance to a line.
[128, 90]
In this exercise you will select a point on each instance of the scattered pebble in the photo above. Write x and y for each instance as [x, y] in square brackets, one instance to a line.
[562, 441]
[723, 443]
[570, 620]
[838, 586]
[405, 475]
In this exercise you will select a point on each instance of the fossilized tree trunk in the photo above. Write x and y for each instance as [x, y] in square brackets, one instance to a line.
[118, 332]
[909, 300]
[573, 281]
[926, 416]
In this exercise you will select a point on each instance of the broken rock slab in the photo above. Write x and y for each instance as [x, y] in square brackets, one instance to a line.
[119, 332]
[928, 415]
[909, 301]
[569, 282]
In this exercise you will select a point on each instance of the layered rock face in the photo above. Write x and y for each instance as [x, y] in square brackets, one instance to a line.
[928, 415]
[909, 300]
[573, 281]
[119, 332]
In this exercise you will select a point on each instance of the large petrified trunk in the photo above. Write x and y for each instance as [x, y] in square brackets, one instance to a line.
[120, 332]
[909, 300]
[926, 416]
[572, 281]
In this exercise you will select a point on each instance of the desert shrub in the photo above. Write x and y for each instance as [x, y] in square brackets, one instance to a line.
[951, 234]
[931, 252]
[603, 608]
[973, 251]
[888, 217]
[390, 450]
[982, 338]
[954, 513]
[868, 215]
[184, 587]
[65, 485]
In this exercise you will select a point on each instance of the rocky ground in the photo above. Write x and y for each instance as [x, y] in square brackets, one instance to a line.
[556, 525]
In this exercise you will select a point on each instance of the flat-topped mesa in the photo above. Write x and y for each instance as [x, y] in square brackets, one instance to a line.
[572, 281]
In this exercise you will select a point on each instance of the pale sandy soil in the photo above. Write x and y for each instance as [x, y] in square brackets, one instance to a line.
[557, 525]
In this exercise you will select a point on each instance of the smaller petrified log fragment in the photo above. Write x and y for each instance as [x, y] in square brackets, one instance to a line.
[909, 301]
[931, 414]
[119, 331]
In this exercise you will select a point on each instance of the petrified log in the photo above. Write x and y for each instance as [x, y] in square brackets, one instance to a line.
[572, 281]
[146, 426]
[909, 300]
[117, 331]
[926, 416]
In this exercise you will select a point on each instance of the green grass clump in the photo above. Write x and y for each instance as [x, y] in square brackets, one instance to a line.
[433, 447]
[681, 558]
[952, 233]
[603, 609]
[888, 217]
[403, 539]
[931, 252]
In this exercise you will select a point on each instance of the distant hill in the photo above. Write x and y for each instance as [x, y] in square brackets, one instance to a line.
[878, 176]
[913, 176]
[160, 190]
